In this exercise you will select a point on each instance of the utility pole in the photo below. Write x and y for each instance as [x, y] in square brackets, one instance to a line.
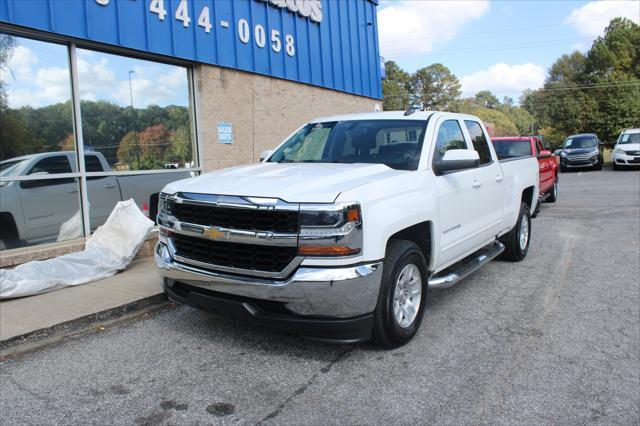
[135, 126]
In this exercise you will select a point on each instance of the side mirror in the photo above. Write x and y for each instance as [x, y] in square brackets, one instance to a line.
[456, 159]
[557, 152]
[544, 154]
[265, 155]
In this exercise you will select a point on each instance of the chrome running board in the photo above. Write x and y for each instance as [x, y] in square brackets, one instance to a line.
[460, 270]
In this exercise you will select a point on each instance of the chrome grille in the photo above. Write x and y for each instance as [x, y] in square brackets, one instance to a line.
[632, 152]
[233, 255]
[579, 157]
[236, 218]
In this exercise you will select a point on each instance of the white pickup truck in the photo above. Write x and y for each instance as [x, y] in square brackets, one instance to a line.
[340, 233]
[34, 211]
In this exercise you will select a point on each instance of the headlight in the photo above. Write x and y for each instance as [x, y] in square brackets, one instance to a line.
[330, 229]
[594, 153]
[619, 151]
[563, 154]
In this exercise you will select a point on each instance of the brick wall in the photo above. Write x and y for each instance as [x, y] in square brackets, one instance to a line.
[262, 110]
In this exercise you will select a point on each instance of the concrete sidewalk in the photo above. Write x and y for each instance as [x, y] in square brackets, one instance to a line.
[138, 286]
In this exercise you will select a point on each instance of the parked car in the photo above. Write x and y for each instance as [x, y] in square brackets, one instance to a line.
[627, 150]
[34, 211]
[510, 147]
[581, 151]
[342, 230]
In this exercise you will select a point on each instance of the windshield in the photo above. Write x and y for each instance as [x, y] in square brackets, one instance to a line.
[629, 138]
[395, 143]
[580, 142]
[10, 168]
[512, 148]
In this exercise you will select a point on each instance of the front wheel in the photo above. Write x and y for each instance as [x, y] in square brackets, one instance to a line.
[598, 166]
[563, 168]
[615, 166]
[403, 295]
[517, 240]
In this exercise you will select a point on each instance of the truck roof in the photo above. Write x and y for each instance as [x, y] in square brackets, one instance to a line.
[389, 115]
[514, 138]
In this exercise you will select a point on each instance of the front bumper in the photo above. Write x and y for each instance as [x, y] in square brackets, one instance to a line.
[626, 160]
[590, 162]
[338, 297]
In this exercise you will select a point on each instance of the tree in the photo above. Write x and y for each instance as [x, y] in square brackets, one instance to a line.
[395, 87]
[434, 87]
[486, 99]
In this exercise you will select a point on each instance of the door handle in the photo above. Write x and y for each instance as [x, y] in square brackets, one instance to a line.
[72, 190]
[109, 186]
[499, 178]
[476, 184]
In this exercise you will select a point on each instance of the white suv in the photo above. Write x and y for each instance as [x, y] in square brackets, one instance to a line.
[627, 150]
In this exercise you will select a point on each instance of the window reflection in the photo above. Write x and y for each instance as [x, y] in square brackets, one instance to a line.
[35, 106]
[135, 112]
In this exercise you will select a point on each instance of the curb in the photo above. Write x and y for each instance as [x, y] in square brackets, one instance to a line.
[89, 323]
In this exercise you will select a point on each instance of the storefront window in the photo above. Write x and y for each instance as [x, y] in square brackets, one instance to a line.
[35, 101]
[136, 131]
[135, 112]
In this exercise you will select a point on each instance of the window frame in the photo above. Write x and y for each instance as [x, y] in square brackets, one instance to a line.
[439, 124]
[80, 173]
[465, 130]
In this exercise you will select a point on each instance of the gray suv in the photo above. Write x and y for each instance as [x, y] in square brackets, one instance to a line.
[581, 151]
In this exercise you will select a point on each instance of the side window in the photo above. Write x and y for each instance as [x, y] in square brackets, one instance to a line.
[480, 143]
[539, 147]
[52, 165]
[449, 137]
[92, 164]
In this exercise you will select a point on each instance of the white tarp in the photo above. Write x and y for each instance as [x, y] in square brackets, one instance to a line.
[110, 249]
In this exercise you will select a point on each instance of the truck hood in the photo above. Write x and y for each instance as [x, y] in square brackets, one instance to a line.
[291, 182]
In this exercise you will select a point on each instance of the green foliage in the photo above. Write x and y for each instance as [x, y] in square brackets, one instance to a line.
[434, 87]
[107, 128]
[395, 88]
[596, 93]
[486, 99]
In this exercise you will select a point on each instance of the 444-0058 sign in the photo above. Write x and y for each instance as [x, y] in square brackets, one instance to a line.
[307, 8]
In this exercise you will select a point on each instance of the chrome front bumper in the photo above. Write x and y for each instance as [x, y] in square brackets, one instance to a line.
[340, 292]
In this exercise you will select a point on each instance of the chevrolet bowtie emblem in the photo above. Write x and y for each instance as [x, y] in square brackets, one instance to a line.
[215, 234]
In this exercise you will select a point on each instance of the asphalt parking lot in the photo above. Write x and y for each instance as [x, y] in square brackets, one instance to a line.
[553, 339]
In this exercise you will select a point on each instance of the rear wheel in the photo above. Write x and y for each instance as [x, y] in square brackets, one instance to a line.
[553, 193]
[403, 294]
[516, 241]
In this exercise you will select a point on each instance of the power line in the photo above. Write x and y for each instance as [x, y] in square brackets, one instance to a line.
[487, 48]
[555, 89]
[520, 29]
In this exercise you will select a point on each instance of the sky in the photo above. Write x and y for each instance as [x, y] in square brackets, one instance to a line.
[40, 76]
[502, 46]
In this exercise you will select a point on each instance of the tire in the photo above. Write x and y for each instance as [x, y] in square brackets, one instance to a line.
[391, 327]
[553, 193]
[3, 245]
[598, 166]
[615, 166]
[514, 251]
[563, 169]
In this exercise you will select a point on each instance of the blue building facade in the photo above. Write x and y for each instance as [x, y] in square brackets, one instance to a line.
[326, 43]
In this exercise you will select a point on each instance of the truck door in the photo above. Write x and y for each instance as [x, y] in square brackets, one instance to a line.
[488, 183]
[48, 203]
[458, 223]
[103, 191]
[546, 168]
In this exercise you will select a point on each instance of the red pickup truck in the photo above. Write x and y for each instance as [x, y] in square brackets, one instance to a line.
[509, 147]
